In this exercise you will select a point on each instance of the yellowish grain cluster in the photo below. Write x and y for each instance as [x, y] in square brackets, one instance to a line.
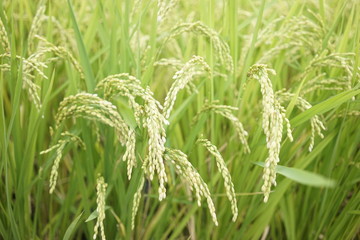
[181, 79]
[273, 118]
[189, 174]
[229, 186]
[136, 201]
[100, 200]
[321, 81]
[149, 115]
[164, 7]
[92, 107]
[66, 138]
[59, 51]
[4, 38]
[30, 68]
[226, 112]
[36, 26]
[129, 155]
[198, 28]
[317, 126]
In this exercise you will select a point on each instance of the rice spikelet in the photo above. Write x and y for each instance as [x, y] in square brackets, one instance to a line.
[273, 118]
[164, 7]
[92, 107]
[66, 138]
[29, 68]
[229, 186]
[226, 112]
[189, 174]
[35, 26]
[59, 52]
[198, 28]
[100, 200]
[181, 79]
[136, 201]
[316, 124]
[333, 60]
[129, 154]
[130, 87]
[4, 38]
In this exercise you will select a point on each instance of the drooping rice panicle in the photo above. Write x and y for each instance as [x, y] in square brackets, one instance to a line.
[182, 78]
[324, 84]
[164, 7]
[189, 174]
[100, 200]
[136, 201]
[316, 124]
[29, 67]
[5, 67]
[177, 65]
[333, 60]
[4, 38]
[92, 107]
[153, 120]
[66, 138]
[226, 112]
[129, 154]
[229, 185]
[294, 35]
[349, 113]
[59, 52]
[273, 118]
[35, 26]
[173, 62]
[220, 46]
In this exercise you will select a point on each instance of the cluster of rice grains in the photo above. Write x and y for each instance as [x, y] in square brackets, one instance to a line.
[100, 200]
[38, 55]
[272, 124]
[149, 116]
[66, 138]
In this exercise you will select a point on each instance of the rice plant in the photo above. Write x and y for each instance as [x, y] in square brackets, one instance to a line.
[175, 119]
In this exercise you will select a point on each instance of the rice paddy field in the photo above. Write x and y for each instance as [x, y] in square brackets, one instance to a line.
[176, 119]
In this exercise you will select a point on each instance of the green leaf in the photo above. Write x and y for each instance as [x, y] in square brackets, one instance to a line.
[72, 227]
[354, 212]
[84, 59]
[94, 215]
[302, 176]
[324, 106]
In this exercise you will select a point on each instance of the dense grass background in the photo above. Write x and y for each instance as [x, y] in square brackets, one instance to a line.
[109, 37]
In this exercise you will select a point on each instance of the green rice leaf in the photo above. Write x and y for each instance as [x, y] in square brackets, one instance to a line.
[303, 176]
[72, 227]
